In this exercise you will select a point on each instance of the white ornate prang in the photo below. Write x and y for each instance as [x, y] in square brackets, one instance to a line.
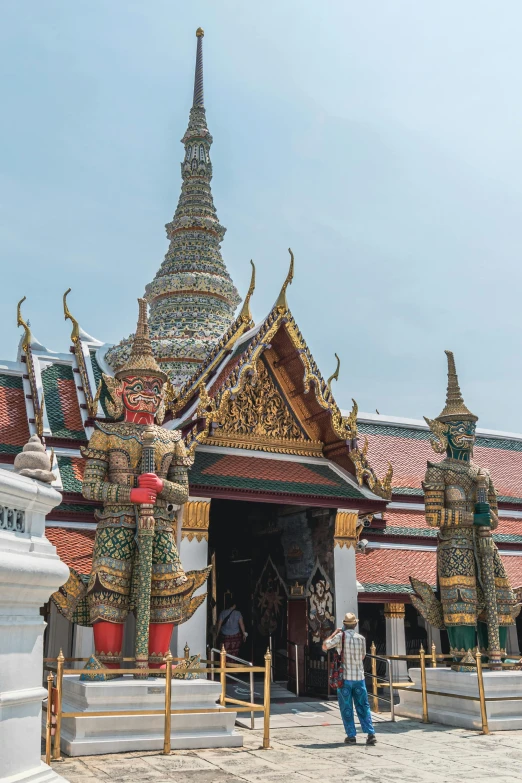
[192, 298]
[30, 571]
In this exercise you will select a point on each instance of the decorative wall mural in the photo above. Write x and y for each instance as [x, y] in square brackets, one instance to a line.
[321, 618]
[297, 546]
[269, 599]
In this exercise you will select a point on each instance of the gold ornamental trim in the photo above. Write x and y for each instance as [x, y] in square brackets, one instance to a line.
[196, 518]
[397, 611]
[276, 446]
[348, 529]
[456, 581]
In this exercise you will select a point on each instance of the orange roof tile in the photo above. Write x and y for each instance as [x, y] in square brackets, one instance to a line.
[14, 428]
[74, 547]
[387, 568]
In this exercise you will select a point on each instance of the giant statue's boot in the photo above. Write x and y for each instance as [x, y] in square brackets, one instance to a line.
[160, 635]
[108, 643]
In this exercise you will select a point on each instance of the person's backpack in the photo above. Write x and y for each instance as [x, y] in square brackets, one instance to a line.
[336, 675]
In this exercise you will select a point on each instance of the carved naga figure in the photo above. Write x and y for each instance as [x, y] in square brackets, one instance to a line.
[138, 470]
[476, 599]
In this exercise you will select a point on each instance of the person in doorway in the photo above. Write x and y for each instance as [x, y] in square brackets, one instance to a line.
[231, 631]
[353, 690]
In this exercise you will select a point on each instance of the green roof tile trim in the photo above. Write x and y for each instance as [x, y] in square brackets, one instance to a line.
[418, 434]
[53, 401]
[417, 491]
[377, 588]
[416, 532]
[84, 509]
[421, 532]
[204, 460]
[70, 481]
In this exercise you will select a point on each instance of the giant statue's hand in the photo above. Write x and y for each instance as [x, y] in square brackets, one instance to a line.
[150, 481]
[481, 517]
[143, 495]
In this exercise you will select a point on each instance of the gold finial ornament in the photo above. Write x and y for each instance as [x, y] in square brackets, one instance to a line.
[455, 409]
[335, 375]
[281, 303]
[75, 334]
[245, 310]
[28, 338]
[141, 360]
[200, 32]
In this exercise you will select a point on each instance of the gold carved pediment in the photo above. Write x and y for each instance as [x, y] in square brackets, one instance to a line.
[260, 418]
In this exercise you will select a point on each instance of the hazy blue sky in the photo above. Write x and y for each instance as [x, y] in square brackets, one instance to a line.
[381, 140]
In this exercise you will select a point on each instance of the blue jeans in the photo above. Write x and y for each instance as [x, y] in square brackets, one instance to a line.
[354, 692]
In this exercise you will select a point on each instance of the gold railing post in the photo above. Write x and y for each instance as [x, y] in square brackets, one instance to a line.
[375, 690]
[422, 656]
[49, 722]
[482, 697]
[266, 700]
[186, 650]
[433, 655]
[168, 691]
[59, 687]
[223, 675]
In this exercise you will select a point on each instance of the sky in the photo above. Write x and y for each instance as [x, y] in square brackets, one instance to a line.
[381, 141]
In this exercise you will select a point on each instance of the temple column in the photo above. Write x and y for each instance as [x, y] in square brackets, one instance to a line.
[396, 639]
[433, 638]
[193, 521]
[345, 540]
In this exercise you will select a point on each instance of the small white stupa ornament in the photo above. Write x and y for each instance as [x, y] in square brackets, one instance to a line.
[34, 461]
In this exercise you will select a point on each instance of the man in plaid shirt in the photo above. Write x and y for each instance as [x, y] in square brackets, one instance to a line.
[353, 690]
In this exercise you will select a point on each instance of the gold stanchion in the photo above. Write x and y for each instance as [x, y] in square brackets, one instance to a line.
[482, 697]
[433, 656]
[49, 723]
[422, 656]
[375, 690]
[59, 684]
[168, 690]
[266, 701]
[223, 675]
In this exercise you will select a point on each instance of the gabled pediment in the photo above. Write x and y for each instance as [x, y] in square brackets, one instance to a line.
[261, 417]
[266, 392]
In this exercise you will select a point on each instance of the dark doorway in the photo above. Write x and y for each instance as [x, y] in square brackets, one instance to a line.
[245, 545]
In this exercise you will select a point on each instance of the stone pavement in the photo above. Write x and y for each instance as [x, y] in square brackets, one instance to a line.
[407, 752]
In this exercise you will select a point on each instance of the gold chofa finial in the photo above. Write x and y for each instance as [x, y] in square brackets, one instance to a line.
[245, 310]
[200, 32]
[281, 303]
[75, 334]
[455, 409]
[27, 338]
[141, 360]
[335, 375]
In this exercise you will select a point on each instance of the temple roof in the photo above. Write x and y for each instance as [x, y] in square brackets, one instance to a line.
[406, 443]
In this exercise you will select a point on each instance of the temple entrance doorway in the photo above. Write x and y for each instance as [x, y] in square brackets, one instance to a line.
[246, 551]
[277, 561]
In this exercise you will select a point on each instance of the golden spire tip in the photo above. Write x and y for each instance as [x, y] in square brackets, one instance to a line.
[200, 32]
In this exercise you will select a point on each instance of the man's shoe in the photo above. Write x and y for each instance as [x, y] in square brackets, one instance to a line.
[350, 740]
[372, 739]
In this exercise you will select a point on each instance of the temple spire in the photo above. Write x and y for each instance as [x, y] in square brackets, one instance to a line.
[192, 297]
[198, 75]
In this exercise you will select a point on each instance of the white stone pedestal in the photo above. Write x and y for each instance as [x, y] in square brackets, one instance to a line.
[86, 736]
[30, 570]
[464, 713]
